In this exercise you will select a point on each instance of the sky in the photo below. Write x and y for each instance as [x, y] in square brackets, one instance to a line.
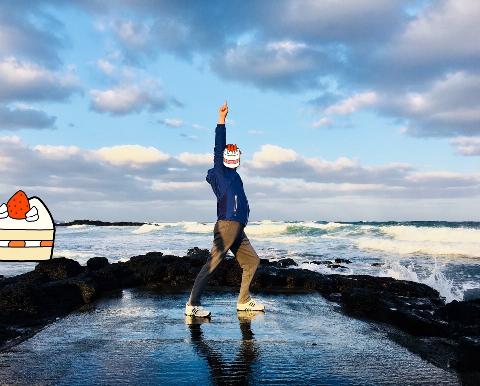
[344, 110]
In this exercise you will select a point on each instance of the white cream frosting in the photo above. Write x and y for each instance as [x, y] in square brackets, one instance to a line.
[3, 211]
[39, 220]
[32, 214]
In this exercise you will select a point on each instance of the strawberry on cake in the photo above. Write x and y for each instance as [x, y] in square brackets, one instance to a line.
[27, 232]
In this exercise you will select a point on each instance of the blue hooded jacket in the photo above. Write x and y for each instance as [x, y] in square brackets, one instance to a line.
[232, 203]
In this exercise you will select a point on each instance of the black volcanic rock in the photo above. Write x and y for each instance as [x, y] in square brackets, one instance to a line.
[334, 266]
[284, 263]
[320, 262]
[198, 252]
[61, 285]
[97, 262]
[462, 317]
[281, 263]
[59, 268]
[100, 223]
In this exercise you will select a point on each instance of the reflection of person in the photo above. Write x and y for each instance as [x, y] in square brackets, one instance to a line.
[232, 217]
[221, 372]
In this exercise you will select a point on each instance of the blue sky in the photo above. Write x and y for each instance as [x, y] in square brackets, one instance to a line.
[344, 110]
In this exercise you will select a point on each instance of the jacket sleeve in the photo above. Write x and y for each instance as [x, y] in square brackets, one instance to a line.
[220, 142]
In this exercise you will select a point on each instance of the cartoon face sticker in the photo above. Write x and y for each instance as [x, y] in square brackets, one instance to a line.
[231, 156]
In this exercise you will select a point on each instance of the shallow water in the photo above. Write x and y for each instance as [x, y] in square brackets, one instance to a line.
[140, 337]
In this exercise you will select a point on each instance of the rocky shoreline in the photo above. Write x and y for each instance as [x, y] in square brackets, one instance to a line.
[448, 335]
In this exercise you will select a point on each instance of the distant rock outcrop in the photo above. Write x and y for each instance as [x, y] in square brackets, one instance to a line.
[99, 223]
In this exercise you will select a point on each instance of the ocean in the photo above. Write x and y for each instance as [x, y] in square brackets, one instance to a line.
[443, 255]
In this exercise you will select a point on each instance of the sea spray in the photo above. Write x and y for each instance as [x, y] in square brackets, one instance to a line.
[435, 279]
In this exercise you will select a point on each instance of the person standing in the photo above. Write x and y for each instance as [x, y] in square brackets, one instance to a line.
[232, 217]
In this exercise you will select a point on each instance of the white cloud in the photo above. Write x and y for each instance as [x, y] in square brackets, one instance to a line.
[195, 158]
[199, 127]
[449, 106]
[162, 185]
[134, 155]
[353, 103]
[255, 132]
[131, 33]
[20, 80]
[106, 66]
[272, 155]
[56, 152]
[444, 32]
[282, 64]
[28, 32]
[469, 146]
[127, 99]
[171, 122]
[191, 137]
[324, 121]
[24, 117]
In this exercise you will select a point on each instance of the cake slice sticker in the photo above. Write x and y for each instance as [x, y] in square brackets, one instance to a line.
[27, 230]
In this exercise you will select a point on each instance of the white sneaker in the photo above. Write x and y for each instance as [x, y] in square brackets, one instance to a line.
[198, 311]
[251, 305]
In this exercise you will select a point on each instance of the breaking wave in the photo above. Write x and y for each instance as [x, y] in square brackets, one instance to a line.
[430, 238]
[436, 241]
[147, 228]
[436, 279]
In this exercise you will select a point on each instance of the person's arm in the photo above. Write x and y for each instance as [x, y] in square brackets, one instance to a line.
[220, 137]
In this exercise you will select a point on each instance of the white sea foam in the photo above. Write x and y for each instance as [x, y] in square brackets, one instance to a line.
[72, 254]
[432, 234]
[430, 243]
[436, 279]
[266, 228]
[327, 227]
[147, 228]
[418, 247]
[283, 239]
[404, 239]
[77, 226]
[197, 227]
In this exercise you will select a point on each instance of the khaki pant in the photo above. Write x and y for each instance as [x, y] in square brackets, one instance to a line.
[228, 234]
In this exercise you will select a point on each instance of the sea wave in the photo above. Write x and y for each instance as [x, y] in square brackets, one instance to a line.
[436, 279]
[402, 239]
[77, 226]
[197, 227]
[426, 234]
[266, 228]
[419, 247]
[147, 228]
[72, 254]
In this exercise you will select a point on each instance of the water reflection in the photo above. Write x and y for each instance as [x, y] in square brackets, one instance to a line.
[222, 371]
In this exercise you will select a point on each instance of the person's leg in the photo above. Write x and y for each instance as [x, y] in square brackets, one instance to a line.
[225, 234]
[248, 260]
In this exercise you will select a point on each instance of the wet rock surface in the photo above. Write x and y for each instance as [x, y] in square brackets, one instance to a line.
[58, 286]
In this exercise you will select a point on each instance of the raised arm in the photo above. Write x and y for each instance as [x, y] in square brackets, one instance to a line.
[220, 137]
